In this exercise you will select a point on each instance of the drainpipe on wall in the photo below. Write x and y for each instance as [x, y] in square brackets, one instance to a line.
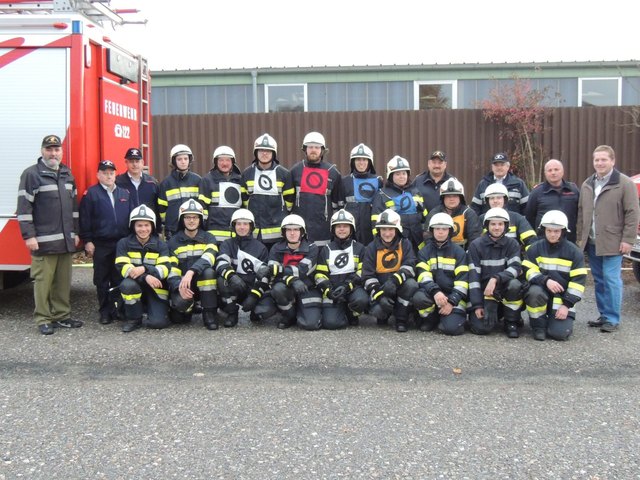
[254, 84]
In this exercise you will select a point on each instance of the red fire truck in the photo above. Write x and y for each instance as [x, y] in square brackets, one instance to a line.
[61, 74]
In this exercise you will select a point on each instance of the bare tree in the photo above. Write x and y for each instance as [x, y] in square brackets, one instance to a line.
[520, 112]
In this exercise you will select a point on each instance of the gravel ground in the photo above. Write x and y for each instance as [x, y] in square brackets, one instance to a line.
[256, 402]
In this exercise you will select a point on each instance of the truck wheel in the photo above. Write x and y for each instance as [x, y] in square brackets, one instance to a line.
[636, 270]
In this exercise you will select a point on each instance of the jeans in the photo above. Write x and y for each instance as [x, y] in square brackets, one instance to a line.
[607, 276]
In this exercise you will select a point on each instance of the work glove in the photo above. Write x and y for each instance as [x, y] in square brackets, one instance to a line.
[263, 271]
[299, 286]
[250, 303]
[386, 304]
[490, 314]
[338, 293]
[390, 287]
[236, 284]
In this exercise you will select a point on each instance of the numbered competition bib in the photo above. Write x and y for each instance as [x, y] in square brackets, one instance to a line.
[341, 261]
[247, 263]
[265, 182]
[314, 180]
[230, 195]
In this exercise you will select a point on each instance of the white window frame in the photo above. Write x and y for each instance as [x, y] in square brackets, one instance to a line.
[269, 85]
[581, 79]
[454, 91]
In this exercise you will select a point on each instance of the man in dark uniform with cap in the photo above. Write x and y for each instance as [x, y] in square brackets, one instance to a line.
[142, 187]
[48, 215]
[104, 219]
[429, 182]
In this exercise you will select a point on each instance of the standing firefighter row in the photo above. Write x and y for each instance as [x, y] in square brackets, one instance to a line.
[312, 248]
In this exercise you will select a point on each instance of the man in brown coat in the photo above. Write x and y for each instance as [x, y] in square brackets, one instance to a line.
[608, 215]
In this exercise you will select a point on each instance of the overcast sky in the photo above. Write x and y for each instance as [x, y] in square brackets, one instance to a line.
[197, 34]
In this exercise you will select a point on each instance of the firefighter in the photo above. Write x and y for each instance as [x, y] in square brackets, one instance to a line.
[142, 187]
[104, 219]
[399, 196]
[241, 256]
[48, 214]
[467, 227]
[318, 185]
[494, 268]
[443, 276]
[193, 255]
[518, 191]
[221, 192]
[430, 181]
[269, 190]
[291, 266]
[360, 188]
[496, 195]
[554, 268]
[180, 185]
[388, 271]
[142, 259]
[338, 274]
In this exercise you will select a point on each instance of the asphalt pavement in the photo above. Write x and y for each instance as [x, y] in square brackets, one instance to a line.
[254, 402]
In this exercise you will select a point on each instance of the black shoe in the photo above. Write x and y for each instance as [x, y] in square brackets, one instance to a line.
[512, 330]
[68, 323]
[539, 334]
[609, 327]
[131, 325]
[105, 319]
[46, 329]
[254, 317]
[401, 327]
[599, 322]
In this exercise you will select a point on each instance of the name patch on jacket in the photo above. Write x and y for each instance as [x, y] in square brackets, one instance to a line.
[364, 189]
[230, 195]
[388, 261]
[292, 259]
[265, 182]
[314, 180]
[405, 204]
[341, 261]
[247, 263]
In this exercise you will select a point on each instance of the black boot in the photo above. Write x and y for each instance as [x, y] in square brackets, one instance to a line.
[512, 329]
[209, 319]
[401, 325]
[231, 320]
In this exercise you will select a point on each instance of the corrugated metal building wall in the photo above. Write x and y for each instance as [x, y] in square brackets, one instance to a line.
[464, 135]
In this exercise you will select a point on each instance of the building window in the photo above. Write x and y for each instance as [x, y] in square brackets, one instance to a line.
[599, 92]
[286, 98]
[441, 94]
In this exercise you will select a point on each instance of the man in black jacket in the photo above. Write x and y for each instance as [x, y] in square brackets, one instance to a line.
[48, 215]
[104, 219]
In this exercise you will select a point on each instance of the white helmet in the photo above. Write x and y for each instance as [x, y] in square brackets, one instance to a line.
[293, 220]
[343, 217]
[497, 214]
[441, 219]
[389, 218]
[192, 207]
[496, 190]
[555, 219]
[452, 187]
[315, 138]
[142, 212]
[361, 151]
[243, 214]
[397, 164]
[180, 149]
[265, 142]
[223, 150]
